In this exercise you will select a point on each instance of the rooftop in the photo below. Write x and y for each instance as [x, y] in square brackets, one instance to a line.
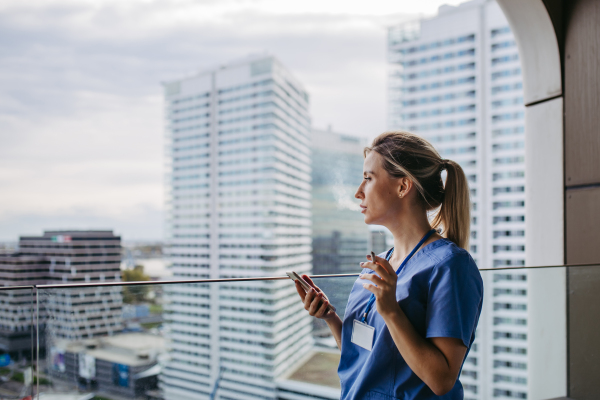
[319, 369]
[133, 349]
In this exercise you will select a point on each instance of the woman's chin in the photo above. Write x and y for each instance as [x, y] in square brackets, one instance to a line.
[369, 220]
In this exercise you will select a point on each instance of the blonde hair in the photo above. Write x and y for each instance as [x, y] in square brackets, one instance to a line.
[408, 155]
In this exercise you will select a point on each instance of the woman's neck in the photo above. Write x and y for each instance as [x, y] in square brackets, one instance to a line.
[408, 230]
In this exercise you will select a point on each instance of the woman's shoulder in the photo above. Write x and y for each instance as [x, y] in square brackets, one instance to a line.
[453, 266]
[446, 254]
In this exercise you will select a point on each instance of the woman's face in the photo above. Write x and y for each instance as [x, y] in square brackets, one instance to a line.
[378, 192]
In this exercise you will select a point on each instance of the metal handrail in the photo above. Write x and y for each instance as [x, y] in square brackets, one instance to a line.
[267, 278]
[16, 287]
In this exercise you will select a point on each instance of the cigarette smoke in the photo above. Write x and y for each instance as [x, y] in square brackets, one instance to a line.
[344, 199]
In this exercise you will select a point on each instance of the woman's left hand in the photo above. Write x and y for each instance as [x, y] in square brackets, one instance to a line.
[384, 285]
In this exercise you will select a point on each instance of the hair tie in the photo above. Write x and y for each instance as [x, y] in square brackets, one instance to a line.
[445, 164]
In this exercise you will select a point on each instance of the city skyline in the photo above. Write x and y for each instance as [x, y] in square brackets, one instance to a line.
[193, 126]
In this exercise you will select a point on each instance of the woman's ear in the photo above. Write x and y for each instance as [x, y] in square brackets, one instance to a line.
[404, 186]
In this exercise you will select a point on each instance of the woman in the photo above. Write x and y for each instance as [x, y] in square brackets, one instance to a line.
[411, 316]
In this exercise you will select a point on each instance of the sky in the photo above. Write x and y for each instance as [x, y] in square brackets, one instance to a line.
[81, 106]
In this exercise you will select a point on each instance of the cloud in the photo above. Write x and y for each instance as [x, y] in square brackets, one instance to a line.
[81, 120]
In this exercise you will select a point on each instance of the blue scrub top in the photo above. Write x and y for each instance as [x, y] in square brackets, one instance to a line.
[441, 292]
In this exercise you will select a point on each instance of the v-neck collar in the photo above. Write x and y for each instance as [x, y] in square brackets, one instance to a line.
[423, 249]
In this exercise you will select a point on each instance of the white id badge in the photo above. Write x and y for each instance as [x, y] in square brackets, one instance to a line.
[362, 335]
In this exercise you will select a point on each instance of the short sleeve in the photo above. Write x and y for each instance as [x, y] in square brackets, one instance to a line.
[454, 299]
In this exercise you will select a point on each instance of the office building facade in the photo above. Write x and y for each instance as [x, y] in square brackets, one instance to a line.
[79, 257]
[17, 306]
[61, 257]
[238, 201]
[456, 80]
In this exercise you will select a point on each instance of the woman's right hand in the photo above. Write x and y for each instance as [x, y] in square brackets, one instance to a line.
[312, 298]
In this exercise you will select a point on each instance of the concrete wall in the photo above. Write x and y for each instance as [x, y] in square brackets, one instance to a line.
[582, 192]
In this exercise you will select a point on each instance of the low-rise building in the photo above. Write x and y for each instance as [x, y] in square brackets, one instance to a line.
[124, 365]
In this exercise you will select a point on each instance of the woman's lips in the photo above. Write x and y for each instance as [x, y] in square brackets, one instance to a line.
[363, 209]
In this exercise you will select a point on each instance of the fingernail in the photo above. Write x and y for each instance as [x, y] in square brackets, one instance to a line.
[361, 264]
[360, 275]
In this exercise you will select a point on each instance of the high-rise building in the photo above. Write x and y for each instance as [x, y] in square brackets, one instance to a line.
[340, 237]
[238, 201]
[456, 80]
[61, 257]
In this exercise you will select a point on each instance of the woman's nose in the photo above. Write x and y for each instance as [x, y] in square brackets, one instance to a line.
[358, 193]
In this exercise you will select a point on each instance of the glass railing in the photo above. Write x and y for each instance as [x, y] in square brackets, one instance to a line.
[252, 338]
[17, 342]
[230, 339]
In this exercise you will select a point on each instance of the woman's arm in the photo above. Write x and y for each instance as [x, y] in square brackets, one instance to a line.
[311, 301]
[436, 361]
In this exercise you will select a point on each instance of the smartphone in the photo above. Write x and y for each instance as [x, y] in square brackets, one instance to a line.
[295, 277]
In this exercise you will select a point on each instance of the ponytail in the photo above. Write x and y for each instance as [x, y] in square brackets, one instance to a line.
[454, 214]
[408, 155]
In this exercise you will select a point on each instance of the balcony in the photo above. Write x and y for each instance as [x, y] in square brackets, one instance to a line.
[245, 338]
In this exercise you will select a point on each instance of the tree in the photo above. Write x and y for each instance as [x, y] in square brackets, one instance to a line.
[137, 293]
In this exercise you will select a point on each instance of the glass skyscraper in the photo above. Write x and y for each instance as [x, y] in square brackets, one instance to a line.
[456, 80]
[340, 236]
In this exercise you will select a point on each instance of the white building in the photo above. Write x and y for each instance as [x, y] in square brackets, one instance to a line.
[238, 200]
[456, 79]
